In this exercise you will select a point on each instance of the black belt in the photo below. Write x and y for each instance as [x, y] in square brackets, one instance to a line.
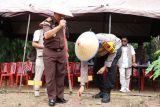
[58, 50]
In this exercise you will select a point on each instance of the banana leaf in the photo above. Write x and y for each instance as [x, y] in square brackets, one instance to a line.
[154, 66]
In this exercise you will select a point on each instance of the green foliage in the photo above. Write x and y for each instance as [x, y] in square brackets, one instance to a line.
[72, 56]
[12, 50]
[153, 48]
[155, 66]
[4, 49]
[157, 53]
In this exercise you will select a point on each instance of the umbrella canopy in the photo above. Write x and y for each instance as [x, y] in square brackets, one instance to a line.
[13, 6]
[23, 6]
[147, 8]
[51, 6]
[34, 6]
[86, 46]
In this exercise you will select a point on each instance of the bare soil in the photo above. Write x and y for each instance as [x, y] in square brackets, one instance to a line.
[9, 97]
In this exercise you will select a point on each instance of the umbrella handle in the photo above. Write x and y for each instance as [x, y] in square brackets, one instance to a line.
[66, 55]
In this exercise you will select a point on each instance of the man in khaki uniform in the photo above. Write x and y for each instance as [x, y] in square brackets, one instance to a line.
[54, 58]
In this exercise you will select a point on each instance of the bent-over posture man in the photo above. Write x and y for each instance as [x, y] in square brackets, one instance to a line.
[104, 60]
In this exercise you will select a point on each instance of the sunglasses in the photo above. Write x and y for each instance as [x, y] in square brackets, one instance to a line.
[124, 40]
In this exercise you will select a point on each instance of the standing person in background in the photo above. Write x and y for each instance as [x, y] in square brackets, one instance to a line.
[126, 61]
[54, 58]
[39, 65]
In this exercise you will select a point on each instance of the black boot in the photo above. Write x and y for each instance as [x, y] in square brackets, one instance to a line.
[99, 95]
[60, 100]
[106, 97]
[52, 102]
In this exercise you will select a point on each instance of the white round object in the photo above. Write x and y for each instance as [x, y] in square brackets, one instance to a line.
[86, 46]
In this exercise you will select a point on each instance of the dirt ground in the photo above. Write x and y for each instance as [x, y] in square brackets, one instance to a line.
[11, 98]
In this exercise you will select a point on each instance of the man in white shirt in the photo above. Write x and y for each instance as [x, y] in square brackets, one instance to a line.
[39, 65]
[125, 63]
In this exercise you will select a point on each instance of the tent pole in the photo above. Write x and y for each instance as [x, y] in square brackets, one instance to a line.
[24, 52]
[110, 23]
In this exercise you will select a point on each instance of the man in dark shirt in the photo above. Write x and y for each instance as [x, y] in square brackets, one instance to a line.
[54, 58]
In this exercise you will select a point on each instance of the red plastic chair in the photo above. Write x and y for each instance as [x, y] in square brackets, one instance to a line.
[30, 69]
[43, 78]
[32, 72]
[23, 72]
[8, 70]
[147, 77]
[135, 74]
[0, 69]
[117, 78]
[77, 69]
[90, 73]
[72, 68]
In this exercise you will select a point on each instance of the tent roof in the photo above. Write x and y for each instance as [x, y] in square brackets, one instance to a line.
[133, 18]
[147, 8]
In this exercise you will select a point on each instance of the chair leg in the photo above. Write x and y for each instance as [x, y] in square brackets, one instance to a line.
[43, 80]
[72, 81]
[1, 81]
[142, 83]
[12, 80]
[5, 81]
[130, 85]
[17, 77]
[117, 83]
[26, 81]
[154, 85]
[88, 84]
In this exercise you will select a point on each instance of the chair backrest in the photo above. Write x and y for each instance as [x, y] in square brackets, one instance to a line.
[135, 72]
[90, 69]
[77, 67]
[33, 67]
[72, 67]
[4, 67]
[27, 67]
[149, 74]
[12, 67]
[19, 67]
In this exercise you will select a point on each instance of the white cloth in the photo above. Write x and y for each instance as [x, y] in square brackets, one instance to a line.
[38, 37]
[124, 70]
[125, 74]
[124, 56]
[39, 65]
[37, 34]
[39, 68]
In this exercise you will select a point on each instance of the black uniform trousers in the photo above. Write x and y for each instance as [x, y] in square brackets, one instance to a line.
[105, 84]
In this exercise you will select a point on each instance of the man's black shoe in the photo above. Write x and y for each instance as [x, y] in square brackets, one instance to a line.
[106, 98]
[99, 95]
[52, 102]
[60, 100]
